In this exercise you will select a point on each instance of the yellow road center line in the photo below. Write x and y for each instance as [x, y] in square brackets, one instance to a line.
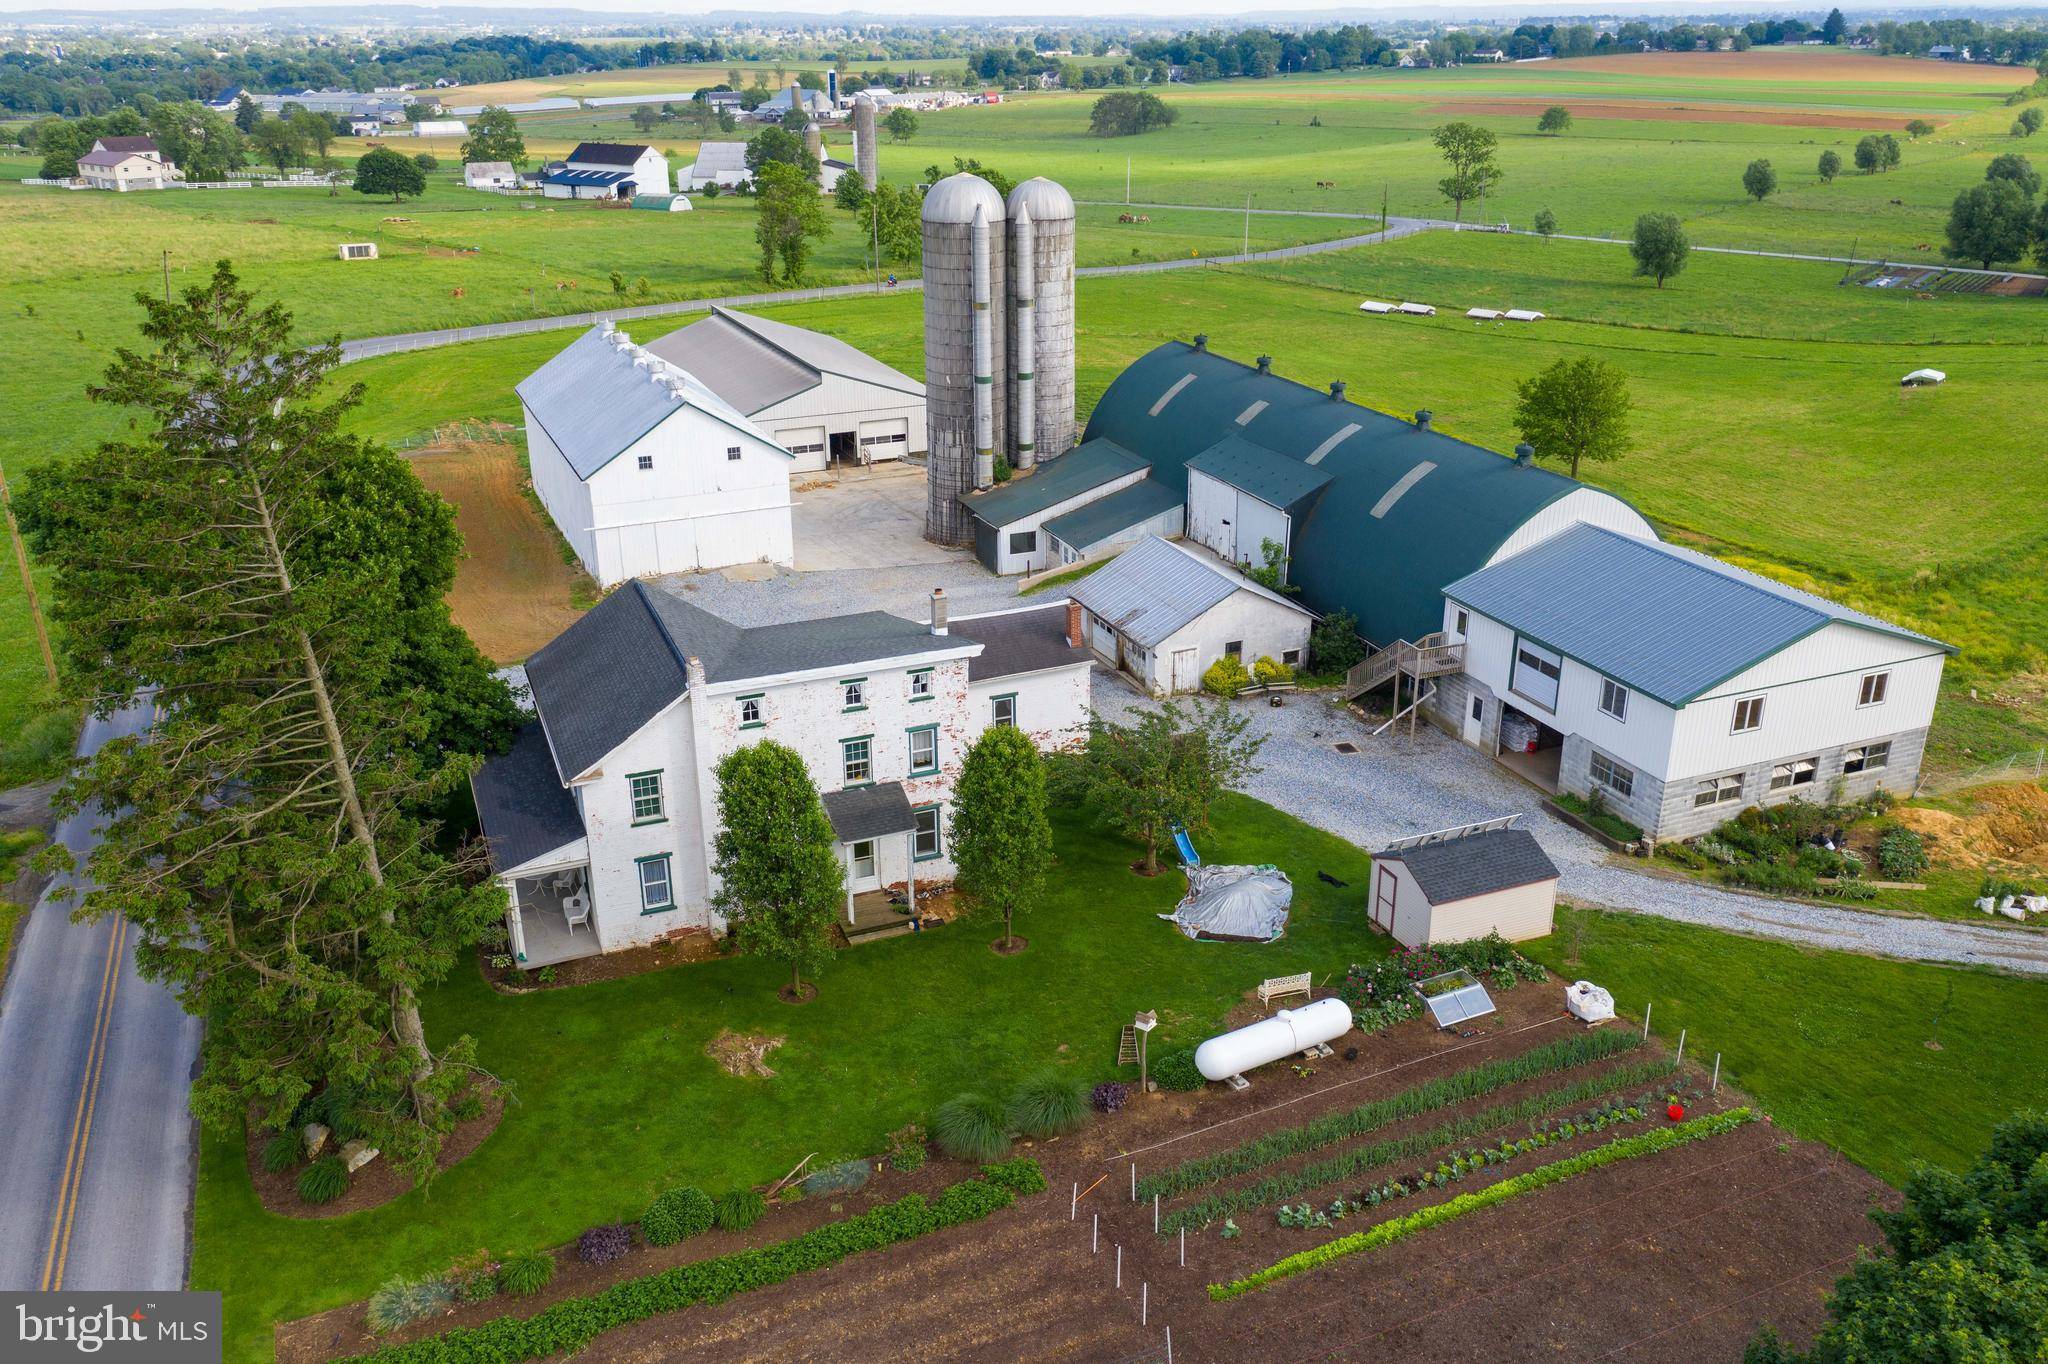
[81, 1121]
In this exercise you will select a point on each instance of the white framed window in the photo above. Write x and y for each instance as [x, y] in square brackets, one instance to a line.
[1749, 715]
[750, 712]
[646, 462]
[1023, 542]
[924, 838]
[1613, 776]
[924, 750]
[1718, 790]
[864, 860]
[1536, 673]
[1614, 698]
[1234, 648]
[1870, 692]
[645, 789]
[854, 693]
[1002, 710]
[1798, 772]
[657, 887]
[921, 685]
[1866, 758]
[1464, 623]
[732, 452]
[856, 760]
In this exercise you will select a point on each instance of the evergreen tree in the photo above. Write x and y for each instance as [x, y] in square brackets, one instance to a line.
[1002, 836]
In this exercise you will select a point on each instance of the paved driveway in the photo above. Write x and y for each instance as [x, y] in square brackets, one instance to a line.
[863, 519]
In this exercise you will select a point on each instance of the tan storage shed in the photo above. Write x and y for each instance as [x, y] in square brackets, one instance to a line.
[1464, 883]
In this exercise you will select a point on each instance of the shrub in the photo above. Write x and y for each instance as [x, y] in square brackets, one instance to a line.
[333, 1108]
[527, 1273]
[468, 1108]
[738, 1210]
[1267, 671]
[971, 1127]
[1334, 645]
[602, 1245]
[1110, 1097]
[325, 1180]
[1226, 677]
[281, 1152]
[1021, 1176]
[906, 1144]
[400, 1302]
[473, 1278]
[675, 1216]
[427, 161]
[841, 1177]
[1901, 853]
[1049, 1105]
[1176, 1071]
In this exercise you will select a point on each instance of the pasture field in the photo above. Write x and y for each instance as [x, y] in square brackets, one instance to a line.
[1769, 422]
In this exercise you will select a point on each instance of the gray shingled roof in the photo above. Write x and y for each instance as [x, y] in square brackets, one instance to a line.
[862, 812]
[525, 810]
[1019, 642]
[1155, 587]
[754, 363]
[1477, 864]
[604, 677]
[1272, 478]
[1082, 468]
[594, 401]
[1667, 621]
[1088, 526]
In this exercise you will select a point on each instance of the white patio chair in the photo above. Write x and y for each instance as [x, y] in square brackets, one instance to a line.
[576, 909]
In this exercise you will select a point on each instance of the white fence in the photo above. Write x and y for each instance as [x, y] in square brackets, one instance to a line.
[2026, 766]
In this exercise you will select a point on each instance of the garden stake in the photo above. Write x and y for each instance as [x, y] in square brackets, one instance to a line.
[1144, 1302]
[1119, 1266]
[1646, 1019]
[1183, 1247]
[1134, 1181]
[1169, 1345]
[1681, 1048]
[1155, 1214]
[1715, 1088]
[1095, 1234]
[1074, 1207]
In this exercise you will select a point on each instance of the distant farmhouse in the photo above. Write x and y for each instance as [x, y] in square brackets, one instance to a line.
[645, 469]
[126, 163]
[608, 170]
[490, 175]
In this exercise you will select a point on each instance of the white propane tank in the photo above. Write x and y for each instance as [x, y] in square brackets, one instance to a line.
[1269, 1039]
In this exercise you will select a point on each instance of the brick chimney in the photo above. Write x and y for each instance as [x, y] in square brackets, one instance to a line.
[938, 610]
[1075, 639]
[693, 672]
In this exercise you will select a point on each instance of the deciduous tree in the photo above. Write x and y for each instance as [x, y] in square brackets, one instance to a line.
[1126, 113]
[1556, 119]
[1991, 223]
[1830, 166]
[1877, 153]
[1575, 410]
[384, 171]
[1917, 128]
[1759, 181]
[1660, 246]
[494, 136]
[900, 124]
[791, 214]
[779, 875]
[1002, 835]
[275, 587]
[279, 142]
[776, 144]
[1468, 150]
[1165, 767]
[2016, 168]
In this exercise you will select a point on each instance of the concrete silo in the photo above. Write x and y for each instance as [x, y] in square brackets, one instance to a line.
[864, 160]
[965, 346]
[814, 141]
[1041, 374]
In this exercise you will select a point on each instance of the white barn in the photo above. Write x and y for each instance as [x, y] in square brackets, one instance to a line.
[718, 163]
[1162, 613]
[822, 400]
[1464, 883]
[126, 163]
[608, 170]
[645, 469]
[490, 175]
[1680, 688]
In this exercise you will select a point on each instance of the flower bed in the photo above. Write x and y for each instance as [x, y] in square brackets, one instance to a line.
[1381, 994]
[1441, 1092]
[569, 1325]
[1292, 1184]
[1395, 1229]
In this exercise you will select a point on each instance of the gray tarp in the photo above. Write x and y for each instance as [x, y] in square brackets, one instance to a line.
[1243, 904]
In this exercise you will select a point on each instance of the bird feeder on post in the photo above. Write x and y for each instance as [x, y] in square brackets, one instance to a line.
[1144, 1023]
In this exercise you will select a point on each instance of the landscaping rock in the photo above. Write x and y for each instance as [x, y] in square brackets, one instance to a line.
[316, 1139]
[356, 1154]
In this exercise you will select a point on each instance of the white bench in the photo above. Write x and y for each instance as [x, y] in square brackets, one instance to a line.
[1274, 987]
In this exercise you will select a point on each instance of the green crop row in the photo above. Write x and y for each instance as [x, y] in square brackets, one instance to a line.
[1279, 1188]
[1426, 1097]
[568, 1326]
[1394, 1229]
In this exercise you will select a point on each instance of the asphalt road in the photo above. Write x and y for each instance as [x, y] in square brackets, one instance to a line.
[95, 1063]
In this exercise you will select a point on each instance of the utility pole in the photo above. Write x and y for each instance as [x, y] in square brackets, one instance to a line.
[1247, 223]
[167, 276]
[1383, 208]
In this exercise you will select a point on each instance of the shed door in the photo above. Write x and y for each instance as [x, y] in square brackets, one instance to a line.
[1185, 675]
[1385, 890]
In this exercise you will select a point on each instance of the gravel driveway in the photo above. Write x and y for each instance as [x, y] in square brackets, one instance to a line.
[1396, 785]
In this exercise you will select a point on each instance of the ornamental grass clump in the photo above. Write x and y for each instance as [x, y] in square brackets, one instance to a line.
[281, 1152]
[324, 1180]
[676, 1216]
[738, 1210]
[1049, 1105]
[401, 1301]
[526, 1273]
[972, 1127]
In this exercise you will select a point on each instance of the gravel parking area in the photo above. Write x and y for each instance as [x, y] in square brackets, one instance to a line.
[1396, 785]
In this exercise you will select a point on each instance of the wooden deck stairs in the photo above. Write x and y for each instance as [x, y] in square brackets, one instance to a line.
[1415, 663]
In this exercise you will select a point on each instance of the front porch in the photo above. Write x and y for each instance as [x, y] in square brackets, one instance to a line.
[550, 918]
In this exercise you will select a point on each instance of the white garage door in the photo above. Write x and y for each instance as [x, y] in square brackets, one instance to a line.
[807, 443]
[886, 439]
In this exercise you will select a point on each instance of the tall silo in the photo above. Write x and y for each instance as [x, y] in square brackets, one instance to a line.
[965, 346]
[814, 143]
[864, 159]
[1042, 222]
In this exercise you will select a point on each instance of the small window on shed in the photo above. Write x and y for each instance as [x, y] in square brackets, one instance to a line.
[1291, 657]
[732, 452]
[1234, 648]
[1023, 542]
[646, 462]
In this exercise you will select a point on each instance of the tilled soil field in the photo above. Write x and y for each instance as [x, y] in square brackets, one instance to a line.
[1676, 1255]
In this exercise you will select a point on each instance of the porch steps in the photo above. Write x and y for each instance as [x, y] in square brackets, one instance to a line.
[856, 933]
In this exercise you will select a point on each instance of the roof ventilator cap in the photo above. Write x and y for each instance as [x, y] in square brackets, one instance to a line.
[1265, 364]
[1201, 341]
[1525, 454]
[1422, 419]
[1337, 389]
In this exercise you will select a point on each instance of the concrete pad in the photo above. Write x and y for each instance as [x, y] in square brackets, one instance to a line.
[864, 519]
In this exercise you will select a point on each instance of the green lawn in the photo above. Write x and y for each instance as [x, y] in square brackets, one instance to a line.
[14, 850]
[614, 1098]
[1831, 1043]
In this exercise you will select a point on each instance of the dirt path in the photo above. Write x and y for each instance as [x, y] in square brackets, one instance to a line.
[513, 593]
